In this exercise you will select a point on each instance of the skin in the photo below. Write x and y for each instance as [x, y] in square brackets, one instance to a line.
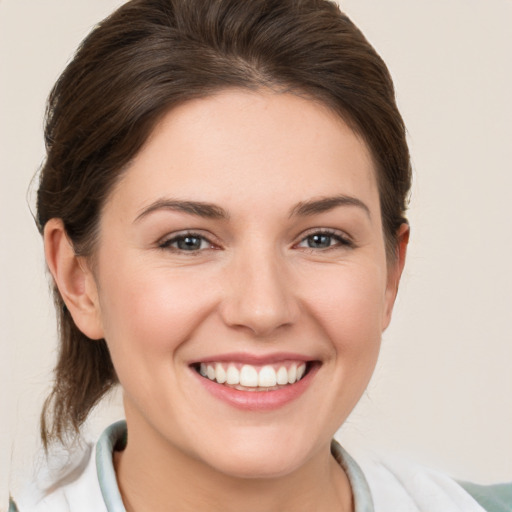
[253, 286]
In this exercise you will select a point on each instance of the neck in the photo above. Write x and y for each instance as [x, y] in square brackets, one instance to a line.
[155, 476]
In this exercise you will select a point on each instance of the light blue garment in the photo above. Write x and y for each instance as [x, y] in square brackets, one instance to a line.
[493, 498]
[114, 437]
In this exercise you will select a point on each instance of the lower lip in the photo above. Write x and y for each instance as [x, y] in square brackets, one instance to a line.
[258, 400]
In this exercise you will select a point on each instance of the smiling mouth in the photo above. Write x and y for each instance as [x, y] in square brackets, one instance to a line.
[248, 377]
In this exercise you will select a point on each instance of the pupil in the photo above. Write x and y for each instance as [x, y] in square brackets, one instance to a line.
[189, 243]
[319, 241]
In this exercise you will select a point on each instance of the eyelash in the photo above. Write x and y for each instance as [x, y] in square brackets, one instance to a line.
[340, 239]
[167, 244]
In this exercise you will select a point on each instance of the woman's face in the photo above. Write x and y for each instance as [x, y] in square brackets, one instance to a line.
[244, 242]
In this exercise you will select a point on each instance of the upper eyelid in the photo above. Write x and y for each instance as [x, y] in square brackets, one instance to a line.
[187, 232]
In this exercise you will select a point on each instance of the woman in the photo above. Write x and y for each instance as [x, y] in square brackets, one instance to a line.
[223, 209]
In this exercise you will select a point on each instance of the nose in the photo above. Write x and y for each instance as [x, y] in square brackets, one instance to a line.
[258, 295]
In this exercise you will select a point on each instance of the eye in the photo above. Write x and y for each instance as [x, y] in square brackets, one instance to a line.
[324, 240]
[186, 242]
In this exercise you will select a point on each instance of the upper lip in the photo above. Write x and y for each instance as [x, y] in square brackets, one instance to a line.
[253, 359]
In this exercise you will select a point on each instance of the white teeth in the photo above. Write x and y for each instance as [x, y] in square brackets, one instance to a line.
[292, 374]
[267, 376]
[282, 376]
[233, 375]
[220, 374]
[248, 376]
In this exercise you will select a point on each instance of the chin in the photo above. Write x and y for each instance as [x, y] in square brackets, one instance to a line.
[257, 467]
[260, 457]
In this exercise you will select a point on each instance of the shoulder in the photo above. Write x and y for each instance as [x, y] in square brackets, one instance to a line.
[425, 489]
[402, 486]
[90, 485]
[76, 491]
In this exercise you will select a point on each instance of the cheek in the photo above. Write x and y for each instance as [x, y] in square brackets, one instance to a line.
[349, 302]
[152, 311]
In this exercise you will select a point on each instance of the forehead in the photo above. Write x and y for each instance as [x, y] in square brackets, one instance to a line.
[246, 148]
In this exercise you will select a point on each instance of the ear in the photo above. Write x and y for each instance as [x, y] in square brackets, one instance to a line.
[395, 269]
[74, 279]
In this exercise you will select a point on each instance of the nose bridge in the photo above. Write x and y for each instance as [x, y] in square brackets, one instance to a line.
[259, 295]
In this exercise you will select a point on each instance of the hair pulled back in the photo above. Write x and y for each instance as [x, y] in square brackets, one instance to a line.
[151, 55]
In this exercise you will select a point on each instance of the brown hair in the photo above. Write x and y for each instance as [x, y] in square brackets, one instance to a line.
[151, 55]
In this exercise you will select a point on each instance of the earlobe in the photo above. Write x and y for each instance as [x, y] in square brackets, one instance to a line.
[395, 270]
[73, 279]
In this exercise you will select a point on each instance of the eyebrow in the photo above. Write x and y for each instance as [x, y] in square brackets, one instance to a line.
[198, 208]
[212, 211]
[324, 204]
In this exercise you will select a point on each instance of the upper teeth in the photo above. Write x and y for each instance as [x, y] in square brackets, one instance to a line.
[247, 375]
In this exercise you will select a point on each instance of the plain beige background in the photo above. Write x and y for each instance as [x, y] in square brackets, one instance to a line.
[442, 390]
